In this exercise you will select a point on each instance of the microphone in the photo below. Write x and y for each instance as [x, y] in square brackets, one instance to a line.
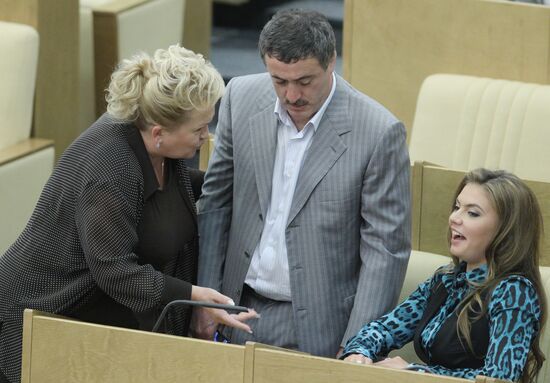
[183, 302]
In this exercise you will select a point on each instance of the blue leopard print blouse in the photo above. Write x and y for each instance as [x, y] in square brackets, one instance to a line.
[513, 316]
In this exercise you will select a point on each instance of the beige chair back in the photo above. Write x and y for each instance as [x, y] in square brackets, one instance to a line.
[25, 162]
[56, 110]
[464, 122]
[19, 52]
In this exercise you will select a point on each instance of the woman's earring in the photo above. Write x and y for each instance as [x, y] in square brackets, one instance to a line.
[158, 144]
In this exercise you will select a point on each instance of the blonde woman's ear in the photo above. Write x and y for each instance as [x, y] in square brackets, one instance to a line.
[156, 132]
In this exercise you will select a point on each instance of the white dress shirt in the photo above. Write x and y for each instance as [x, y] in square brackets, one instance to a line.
[268, 272]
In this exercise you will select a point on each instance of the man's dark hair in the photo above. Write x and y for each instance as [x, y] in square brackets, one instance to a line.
[293, 35]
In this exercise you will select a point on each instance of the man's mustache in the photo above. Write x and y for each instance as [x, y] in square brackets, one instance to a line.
[298, 103]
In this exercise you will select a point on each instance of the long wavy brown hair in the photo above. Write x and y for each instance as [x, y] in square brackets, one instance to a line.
[515, 250]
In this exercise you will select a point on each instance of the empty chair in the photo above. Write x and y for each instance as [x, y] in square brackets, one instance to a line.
[25, 162]
[464, 122]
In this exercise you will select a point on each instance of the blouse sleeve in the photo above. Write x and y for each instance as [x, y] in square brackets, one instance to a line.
[393, 330]
[106, 220]
[514, 313]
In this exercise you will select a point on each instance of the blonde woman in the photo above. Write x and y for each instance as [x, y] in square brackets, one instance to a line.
[113, 237]
[483, 314]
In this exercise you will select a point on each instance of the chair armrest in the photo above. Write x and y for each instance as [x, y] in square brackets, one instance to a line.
[23, 148]
[117, 6]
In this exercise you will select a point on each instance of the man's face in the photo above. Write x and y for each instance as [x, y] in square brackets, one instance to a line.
[302, 86]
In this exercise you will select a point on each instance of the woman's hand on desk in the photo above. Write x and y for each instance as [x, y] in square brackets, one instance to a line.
[397, 363]
[358, 358]
[207, 319]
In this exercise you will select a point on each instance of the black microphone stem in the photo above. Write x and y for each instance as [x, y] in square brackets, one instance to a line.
[239, 309]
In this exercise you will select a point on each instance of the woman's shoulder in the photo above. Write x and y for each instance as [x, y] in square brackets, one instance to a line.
[102, 153]
[515, 292]
[104, 139]
[514, 282]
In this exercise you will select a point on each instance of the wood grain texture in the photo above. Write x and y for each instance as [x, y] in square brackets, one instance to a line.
[106, 55]
[282, 367]
[87, 352]
[197, 27]
[391, 46]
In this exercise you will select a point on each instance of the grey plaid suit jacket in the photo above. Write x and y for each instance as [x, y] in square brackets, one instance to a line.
[348, 233]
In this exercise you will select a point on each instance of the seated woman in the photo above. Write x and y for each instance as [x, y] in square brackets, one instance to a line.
[113, 237]
[481, 315]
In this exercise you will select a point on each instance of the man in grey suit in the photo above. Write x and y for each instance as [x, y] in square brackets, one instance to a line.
[305, 211]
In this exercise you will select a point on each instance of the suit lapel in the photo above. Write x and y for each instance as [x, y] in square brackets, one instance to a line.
[325, 149]
[263, 136]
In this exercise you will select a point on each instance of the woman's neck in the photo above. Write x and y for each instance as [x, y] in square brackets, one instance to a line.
[158, 167]
[472, 266]
[157, 161]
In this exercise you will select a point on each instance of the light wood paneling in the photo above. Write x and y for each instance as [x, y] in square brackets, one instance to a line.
[438, 187]
[391, 46]
[106, 54]
[197, 28]
[56, 95]
[281, 367]
[85, 352]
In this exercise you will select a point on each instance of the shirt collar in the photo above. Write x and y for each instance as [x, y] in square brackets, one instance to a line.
[283, 116]
[460, 276]
[476, 275]
[150, 183]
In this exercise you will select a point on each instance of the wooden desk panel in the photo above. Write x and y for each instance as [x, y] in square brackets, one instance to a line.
[62, 350]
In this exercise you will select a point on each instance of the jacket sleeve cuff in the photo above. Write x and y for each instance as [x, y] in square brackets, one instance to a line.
[175, 289]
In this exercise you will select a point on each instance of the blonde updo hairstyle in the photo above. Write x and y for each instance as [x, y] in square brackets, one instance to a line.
[163, 89]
